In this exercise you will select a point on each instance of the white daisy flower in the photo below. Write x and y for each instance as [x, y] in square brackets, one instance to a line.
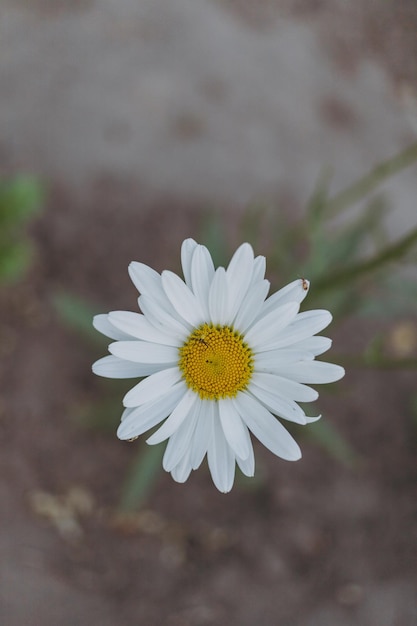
[217, 359]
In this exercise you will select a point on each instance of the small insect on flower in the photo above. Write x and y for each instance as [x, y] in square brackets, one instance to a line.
[201, 340]
[218, 360]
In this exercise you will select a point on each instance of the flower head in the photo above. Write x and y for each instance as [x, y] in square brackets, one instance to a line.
[217, 359]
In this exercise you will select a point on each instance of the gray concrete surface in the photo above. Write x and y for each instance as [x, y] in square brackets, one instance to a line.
[186, 98]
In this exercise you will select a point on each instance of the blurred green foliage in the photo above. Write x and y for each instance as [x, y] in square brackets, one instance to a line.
[77, 315]
[342, 247]
[20, 200]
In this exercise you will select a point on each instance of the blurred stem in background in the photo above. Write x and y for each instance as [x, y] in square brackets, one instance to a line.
[145, 470]
[350, 260]
[368, 183]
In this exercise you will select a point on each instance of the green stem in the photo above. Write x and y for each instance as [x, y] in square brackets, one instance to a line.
[141, 478]
[370, 181]
[389, 254]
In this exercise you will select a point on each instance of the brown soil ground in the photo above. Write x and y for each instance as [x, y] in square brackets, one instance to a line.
[310, 543]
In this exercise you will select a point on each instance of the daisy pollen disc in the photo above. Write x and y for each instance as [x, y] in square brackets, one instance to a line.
[216, 362]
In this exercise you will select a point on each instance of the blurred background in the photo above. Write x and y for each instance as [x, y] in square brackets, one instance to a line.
[125, 127]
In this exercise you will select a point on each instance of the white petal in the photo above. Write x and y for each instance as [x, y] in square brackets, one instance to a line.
[181, 472]
[251, 305]
[247, 466]
[202, 433]
[178, 415]
[234, 430]
[103, 325]
[269, 360]
[259, 268]
[113, 367]
[136, 325]
[263, 333]
[284, 386]
[305, 325]
[312, 372]
[219, 298]
[220, 458]
[147, 281]
[267, 428]
[279, 405]
[239, 275]
[310, 420]
[137, 421]
[202, 272]
[144, 352]
[152, 387]
[187, 250]
[126, 413]
[179, 442]
[242, 258]
[150, 284]
[162, 319]
[294, 292]
[182, 299]
[315, 345]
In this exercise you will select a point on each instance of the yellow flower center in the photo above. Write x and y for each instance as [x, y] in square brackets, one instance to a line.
[216, 362]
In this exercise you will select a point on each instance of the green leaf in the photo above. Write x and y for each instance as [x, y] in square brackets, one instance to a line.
[14, 260]
[77, 315]
[20, 200]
